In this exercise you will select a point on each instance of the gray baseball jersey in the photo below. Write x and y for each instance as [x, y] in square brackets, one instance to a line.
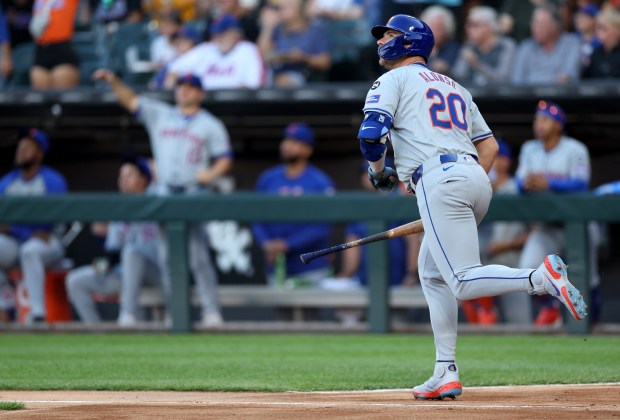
[142, 236]
[435, 124]
[569, 160]
[182, 145]
[431, 113]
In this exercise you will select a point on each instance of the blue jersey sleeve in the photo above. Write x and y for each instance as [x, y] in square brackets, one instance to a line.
[55, 183]
[4, 30]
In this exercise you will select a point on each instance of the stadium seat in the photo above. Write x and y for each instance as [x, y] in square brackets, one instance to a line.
[131, 41]
[347, 40]
[23, 57]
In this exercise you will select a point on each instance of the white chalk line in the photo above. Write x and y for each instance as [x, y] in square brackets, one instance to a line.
[446, 404]
[348, 404]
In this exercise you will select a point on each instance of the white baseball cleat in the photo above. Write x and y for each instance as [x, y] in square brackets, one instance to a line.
[212, 319]
[443, 384]
[555, 282]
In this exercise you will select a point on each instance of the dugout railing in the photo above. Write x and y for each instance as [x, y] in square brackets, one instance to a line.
[176, 213]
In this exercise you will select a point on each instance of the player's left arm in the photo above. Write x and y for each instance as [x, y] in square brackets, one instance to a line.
[579, 176]
[220, 167]
[487, 150]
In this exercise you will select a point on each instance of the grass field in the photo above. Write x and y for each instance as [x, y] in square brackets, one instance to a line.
[226, 362]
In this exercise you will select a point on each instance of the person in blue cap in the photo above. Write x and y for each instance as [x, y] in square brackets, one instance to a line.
[33, 247]
[294, 177]
[552, 162]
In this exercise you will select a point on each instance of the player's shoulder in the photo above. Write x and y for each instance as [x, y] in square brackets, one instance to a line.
[8, 178]
[573, 143]
[319, 174]
[54, 179]
[269, 175]
[532, 145]
[245, 45]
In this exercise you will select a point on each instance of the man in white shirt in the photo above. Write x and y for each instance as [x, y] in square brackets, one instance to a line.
[226, 62]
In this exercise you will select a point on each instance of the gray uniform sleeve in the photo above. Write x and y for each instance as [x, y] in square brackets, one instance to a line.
[219, 143]
[523, 169]
[580, 163]
[479, 128]
[151, 110]
[383, 96]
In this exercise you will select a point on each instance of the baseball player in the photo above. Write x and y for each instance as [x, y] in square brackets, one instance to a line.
[295, 176]
[33, 245]
[557, 163]
[138, 244]
[443, 150]
[191, 149]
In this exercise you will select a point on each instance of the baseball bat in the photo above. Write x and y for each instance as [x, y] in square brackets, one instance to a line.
[398, 231]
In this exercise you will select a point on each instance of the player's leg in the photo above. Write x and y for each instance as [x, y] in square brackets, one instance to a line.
[443, 310]
[34, 255]
[9, 252]
[82, 283]
[451, 205]
[541, 241]
[204, 275]
[133, 273]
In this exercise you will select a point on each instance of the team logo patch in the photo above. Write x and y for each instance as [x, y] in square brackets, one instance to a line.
[373, 99]
[375, 85]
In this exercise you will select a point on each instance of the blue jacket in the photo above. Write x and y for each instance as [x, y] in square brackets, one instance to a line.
[53, 183]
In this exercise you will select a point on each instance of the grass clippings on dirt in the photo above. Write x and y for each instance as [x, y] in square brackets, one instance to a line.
[11, 405]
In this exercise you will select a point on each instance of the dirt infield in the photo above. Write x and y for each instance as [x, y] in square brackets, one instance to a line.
[523, 402]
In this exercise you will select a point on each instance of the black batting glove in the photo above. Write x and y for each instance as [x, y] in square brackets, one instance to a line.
[386, 180]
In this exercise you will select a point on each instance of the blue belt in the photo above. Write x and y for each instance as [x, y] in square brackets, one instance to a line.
[417, 174]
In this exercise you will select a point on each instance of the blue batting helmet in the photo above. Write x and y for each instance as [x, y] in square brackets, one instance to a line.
[415, 32]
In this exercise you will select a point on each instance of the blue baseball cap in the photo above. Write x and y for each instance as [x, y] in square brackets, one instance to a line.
[39, 137]
[224, 23]
[504, 149]
[190, 79]
[301, 132]
[189, 33]
[551, 110]
[589, 9]
[142, 164]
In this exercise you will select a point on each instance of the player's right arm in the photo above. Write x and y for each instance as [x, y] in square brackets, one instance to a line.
[125, 95]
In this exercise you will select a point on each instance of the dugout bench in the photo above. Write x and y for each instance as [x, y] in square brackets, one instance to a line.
[176, 213]
[297, 299]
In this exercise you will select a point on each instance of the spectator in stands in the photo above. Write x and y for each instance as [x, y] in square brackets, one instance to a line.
[106, 11]
[192, 150]
[282, 243]
[183, 41]
[487, 56]
[585, 27]
[549, 56]
[503, 248]
[138, 244]
[552, 162]
[245, 14]
[6, 64]
[226, 62]
[295, 47]
[605, 59]
[163, 49]
[56, 65]
[34, 246]
[18, 14]
[158, 9]
[335, 9]
[441, 21]
[516, 15]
